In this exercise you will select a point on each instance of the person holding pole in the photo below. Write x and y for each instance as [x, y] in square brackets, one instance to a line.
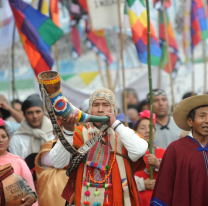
[106, 177]
[144, 183]
[166, 129]
[182, 178]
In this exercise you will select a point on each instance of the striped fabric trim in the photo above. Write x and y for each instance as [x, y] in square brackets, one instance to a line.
[124, 182]
[157, 202]
[206, 161]
[80, 133]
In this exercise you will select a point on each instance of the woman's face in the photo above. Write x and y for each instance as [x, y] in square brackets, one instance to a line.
[143, 128]
[4, 141]
[131, 99]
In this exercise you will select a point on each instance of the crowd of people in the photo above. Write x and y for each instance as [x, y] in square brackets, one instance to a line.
[116, 169]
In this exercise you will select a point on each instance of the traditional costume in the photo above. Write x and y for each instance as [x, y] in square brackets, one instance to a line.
[107, 175]
[183, 174]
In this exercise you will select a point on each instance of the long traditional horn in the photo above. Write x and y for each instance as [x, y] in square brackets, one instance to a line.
[62, 107]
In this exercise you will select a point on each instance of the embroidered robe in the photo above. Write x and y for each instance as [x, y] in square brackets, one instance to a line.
[115, 192]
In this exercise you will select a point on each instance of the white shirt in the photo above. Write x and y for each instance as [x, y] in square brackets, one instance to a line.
[136, 146]
[19, 144]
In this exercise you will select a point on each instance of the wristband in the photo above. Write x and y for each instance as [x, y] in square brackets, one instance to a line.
[117, 126]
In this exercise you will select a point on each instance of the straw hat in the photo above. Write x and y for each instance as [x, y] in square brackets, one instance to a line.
[184, 107]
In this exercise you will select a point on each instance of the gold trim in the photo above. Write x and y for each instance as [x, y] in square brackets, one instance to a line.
[51, 81]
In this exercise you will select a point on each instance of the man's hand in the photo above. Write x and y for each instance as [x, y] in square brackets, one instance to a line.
[111, 116]
[152, 160]
[4, 105]
[28, 200]
[17, 116]
[69, 122]
[149, 184]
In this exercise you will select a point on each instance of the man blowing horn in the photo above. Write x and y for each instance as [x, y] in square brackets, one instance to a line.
[107, 175]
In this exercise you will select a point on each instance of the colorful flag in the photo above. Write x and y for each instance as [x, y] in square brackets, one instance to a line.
[138, 21]
[158, 4]
[198, 22]
[76, 14]
[96, 41]
[54, 12]
[194, 29]
[173, 46]
[48, 8]
[37, 33]
[76, 42]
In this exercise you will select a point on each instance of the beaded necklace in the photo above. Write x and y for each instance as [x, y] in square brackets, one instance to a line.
[97, 184]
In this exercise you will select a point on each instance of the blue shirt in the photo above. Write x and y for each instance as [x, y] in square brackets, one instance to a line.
[13, 126]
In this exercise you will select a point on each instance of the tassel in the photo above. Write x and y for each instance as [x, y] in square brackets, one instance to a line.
[91, 130]
[87, 194]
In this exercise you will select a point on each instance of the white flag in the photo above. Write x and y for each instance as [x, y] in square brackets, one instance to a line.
[6, 25]
[104, 13]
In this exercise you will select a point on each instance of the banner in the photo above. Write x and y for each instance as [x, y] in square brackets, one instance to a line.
[104, 13]
[6, 25]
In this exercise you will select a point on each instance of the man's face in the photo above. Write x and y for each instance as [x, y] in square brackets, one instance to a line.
[34, 116]
[200, 123]
[160, 105]
[99, 106]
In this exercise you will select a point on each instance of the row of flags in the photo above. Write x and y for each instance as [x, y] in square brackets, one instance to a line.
[38, 27]
[95, 40]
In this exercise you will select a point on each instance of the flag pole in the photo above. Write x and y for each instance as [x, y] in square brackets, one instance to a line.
[57, 56]
[169, 60]
[100, 70]
[205, 66]
[159, 72]
[12, 57]
[150, 87]
[205, 52]
[193, 76]
[122, 63]
[116, 76]
[108, 76]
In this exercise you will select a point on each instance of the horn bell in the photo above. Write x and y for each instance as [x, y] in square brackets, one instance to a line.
[62, 107]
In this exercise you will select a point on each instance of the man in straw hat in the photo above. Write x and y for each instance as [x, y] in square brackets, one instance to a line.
[183, 175]
[107, 175]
